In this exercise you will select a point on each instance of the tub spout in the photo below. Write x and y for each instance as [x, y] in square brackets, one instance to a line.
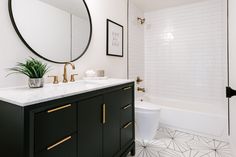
[141, 89]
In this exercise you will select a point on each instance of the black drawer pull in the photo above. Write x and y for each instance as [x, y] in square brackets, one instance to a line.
[127, 88]
[59, 108]
[59, 143]
[127, 125]
[128, 106]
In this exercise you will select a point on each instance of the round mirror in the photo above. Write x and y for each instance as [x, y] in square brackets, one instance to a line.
[58, 31]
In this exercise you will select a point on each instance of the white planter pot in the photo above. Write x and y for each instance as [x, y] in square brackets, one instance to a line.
[36, 82]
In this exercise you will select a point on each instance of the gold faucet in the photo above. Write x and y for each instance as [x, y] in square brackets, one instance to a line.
[141, 89]
[65, 80]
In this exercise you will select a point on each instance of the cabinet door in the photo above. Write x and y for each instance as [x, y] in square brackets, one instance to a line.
[111, 126]
[64, 148]
[54, 124]
[90, 127]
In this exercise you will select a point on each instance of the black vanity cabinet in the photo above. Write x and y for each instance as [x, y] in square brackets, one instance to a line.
[93, 124]
[90, 127]
[111, 123]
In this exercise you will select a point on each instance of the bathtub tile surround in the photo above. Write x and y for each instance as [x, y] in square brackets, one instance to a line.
[185, 54]
[174, 143]
[184, 59]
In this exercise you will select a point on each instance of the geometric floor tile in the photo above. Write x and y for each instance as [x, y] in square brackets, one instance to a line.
[173, 143]
[154, 149]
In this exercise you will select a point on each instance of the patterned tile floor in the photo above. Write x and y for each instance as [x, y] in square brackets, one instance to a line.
[173, 143]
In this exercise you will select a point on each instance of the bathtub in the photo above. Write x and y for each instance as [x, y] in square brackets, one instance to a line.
[195, 122]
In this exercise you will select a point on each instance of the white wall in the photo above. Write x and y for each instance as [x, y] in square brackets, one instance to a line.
[185, 56]
[13, 50]
[232, 52]
[136, 45]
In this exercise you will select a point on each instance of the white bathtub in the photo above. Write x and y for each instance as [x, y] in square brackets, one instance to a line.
[205, 124]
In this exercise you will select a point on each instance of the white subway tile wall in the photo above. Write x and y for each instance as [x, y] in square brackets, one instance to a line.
[184, 53]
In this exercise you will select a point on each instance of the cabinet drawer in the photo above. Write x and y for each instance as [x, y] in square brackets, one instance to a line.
[53, 124]
[127, 133]
[127, 96]
[126, 114]
[65, 147]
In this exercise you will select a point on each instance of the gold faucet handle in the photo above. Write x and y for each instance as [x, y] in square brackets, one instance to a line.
[72, 77]
[55, 79]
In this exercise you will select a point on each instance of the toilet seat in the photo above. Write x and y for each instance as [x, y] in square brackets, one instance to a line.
[146, 106]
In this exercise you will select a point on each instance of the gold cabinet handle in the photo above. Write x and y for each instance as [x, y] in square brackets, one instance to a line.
[126, 107]
[127, 125]
[59, 108]
[59, 143]
[104, 114]
[127, 88]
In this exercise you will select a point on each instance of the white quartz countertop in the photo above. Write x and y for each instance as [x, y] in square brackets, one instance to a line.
[25, 96]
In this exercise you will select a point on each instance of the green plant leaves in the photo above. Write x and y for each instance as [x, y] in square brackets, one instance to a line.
[32, 68]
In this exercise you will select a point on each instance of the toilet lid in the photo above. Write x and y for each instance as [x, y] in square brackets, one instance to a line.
[146, 106]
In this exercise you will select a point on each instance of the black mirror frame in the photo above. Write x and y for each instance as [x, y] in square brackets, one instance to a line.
[32, 50]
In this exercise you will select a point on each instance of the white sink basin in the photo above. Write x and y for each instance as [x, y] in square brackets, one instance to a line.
[75, 84]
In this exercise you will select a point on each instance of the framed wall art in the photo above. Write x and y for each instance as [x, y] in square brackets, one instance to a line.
[115, 39]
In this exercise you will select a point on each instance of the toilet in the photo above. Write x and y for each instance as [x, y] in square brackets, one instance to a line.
[147, 117]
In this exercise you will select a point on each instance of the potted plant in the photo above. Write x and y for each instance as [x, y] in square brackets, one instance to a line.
[34, 69]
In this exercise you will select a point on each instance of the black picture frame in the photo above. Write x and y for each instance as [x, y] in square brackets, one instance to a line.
[108, 40]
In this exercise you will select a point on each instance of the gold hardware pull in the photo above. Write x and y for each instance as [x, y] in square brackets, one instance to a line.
[59, 108]
[55, 79]
[128, 106]
[127, 88]
[127, 125]
[104, 114]
[72, 77]
[60, 142]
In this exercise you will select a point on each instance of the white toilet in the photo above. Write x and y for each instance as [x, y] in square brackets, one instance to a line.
[147, 117]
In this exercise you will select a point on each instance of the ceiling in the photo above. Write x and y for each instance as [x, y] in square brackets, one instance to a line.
[150, 5]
